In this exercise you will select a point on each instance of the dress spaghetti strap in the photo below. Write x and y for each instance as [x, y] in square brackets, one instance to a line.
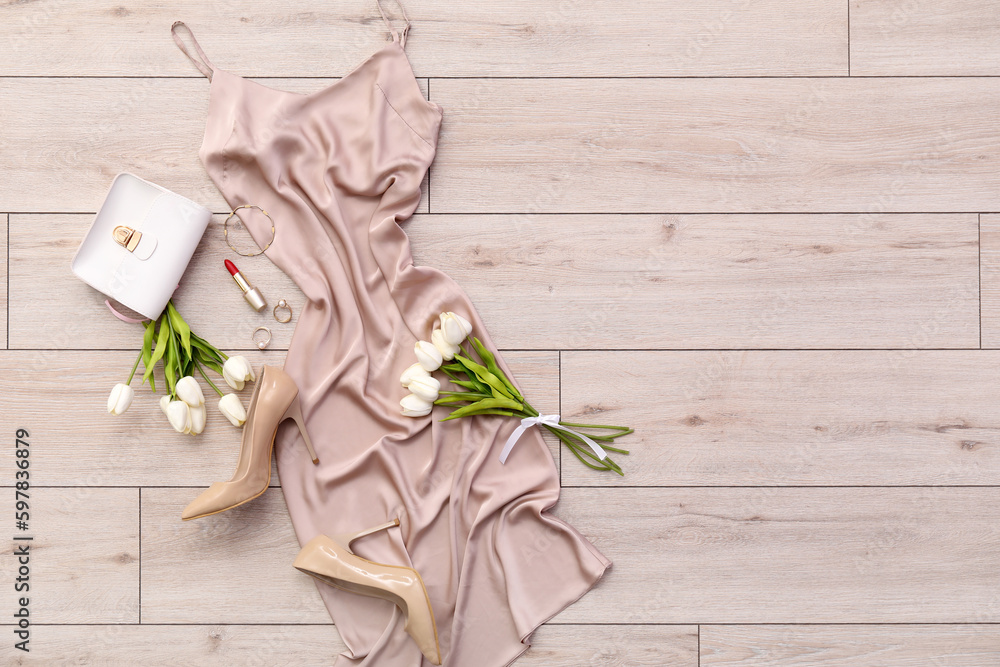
[203, 64]
[396, 36]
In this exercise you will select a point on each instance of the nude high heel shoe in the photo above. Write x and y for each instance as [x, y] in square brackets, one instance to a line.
[275, 399]
[331, 560]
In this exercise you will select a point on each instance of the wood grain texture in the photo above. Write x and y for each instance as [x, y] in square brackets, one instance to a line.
[693, 556]
[477, 38]
[717, 145]
[707, 281]
[989, 268]
[789, 555]
[910, 38]
[651, 281]
[68, 138]
[612, 646]
[318, 645]
[62, 395]
[828, 418]
[237, 566]
[190, 645]
[851, 646]
[84, 556]
[4, 279]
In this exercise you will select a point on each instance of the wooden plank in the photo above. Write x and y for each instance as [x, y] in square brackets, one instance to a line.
[700, 281]
[694, 556]
[63, 395]
[910, 38]
[706, 281]
[851, 645]
[858, 145]
[790, 418]
[235, 567]
[990, 279]
[83, 559]
[317, 645]
[716, 556]
[192, 645]
[4, 279]
[641, 646]
[71, 142]
[516, 38]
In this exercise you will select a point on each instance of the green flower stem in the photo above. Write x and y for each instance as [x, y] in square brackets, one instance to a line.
[210, 383]
[134, 366]
[579, 450]
[624, 429]
[607, 462]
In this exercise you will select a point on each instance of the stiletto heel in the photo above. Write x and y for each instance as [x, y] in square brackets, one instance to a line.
[331, 560]
[346, 539]
[275, 398]
[295, 412]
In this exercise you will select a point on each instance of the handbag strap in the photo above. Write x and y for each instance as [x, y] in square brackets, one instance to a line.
[126, 318]
[123, 318]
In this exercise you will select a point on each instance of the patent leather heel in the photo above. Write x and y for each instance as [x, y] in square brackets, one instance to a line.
[275, 398]
[331, 560]
[295, 412]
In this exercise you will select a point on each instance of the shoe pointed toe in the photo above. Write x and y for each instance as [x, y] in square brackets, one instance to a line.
[212, 500]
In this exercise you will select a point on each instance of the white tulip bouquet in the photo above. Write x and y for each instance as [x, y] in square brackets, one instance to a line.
[170, 340]
[488, 391]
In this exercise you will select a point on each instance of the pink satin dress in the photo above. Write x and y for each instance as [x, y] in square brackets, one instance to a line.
[337, 170]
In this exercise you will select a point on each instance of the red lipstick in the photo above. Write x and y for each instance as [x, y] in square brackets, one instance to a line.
[250, 293]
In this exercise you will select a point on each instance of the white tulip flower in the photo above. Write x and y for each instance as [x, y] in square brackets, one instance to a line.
[411, 374]
[232, 407]
[447, 350]
[199, 415]
[414, 406]
[179, 415]
[120, 398]
[164, 402]
[455, 327]
[427, 355]
[426, 388]
[237, 371]
[189, 391]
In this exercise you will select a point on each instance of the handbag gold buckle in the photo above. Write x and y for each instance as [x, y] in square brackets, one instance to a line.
[126, 237]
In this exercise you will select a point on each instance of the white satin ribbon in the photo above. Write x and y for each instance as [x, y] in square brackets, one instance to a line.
[546, 420]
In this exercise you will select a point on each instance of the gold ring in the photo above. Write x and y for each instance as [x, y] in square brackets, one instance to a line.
[261, 343]
[225, 230]
[282, 305]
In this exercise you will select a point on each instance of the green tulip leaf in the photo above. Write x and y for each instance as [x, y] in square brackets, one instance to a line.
[159, 350]
[207, 360]
[147, 350]
[484, 404]
[491, 364]
[467, 384]
[180, 327]
[485, 376]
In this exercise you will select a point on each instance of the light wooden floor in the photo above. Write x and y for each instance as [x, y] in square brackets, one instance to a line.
[766, 233]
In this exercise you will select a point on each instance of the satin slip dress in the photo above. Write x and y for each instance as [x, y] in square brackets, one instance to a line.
[337, 170]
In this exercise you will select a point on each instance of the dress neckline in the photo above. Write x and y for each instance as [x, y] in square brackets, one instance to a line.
[393, 44]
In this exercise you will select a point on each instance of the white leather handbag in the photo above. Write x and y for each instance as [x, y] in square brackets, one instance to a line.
[140, 244]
